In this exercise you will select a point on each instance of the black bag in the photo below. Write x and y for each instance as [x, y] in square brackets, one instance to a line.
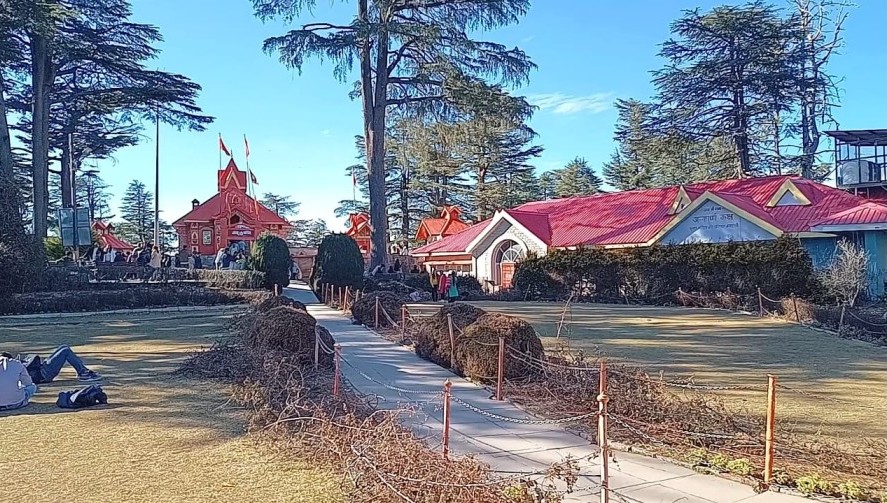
[85, 397]
[34, 365]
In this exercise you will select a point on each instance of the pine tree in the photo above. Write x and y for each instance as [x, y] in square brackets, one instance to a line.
[418, 55]
[576, 179]
[137, 212]
[283, 206]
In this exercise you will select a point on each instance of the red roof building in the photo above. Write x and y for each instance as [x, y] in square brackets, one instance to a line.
[230, 216]
[360, 230]
[433, 229]
[749, 209]
[107, 238]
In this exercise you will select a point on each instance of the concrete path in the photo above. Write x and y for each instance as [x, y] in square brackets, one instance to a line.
[398, 377]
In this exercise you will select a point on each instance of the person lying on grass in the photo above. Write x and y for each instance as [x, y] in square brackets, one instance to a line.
[19, 376]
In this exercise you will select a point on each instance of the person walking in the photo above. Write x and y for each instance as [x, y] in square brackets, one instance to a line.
[443, 286]
[434, 278]
[452, 289]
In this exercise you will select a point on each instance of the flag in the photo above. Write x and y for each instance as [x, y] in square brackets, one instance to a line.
[252, 178]
[223, 147]
[353, 178]
[246, 146]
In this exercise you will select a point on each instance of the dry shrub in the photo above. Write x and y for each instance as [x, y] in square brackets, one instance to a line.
[796, 309]
[432, 335]
[284, 328]
[290, 406]
[277, 301]
[477, 349]
[364, 310]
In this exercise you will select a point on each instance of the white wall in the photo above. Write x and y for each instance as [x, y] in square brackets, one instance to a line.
[712, 223]
[486, 249]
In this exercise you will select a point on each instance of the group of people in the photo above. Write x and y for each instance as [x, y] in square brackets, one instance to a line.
[233, 258]
[20, 375]
[444, 286]
[143, 254]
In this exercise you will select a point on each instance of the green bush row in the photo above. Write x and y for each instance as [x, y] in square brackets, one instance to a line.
[779, 268]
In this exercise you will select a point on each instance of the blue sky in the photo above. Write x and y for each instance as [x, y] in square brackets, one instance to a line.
[301, 127]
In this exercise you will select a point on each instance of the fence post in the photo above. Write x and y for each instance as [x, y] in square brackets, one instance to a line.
[345, 300]
[770, 447]
[337, 350]
[377, 312]
[500, 368]
[403, 322]
[760, 304]
[452, 342]
[316, 349]
[276, 291]
[602, 434]
[795, 304]
[446, 418]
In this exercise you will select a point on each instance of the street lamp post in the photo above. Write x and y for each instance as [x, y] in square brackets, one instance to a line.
[157, 180]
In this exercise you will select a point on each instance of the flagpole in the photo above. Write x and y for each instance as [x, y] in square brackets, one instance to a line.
[220, 151]
[157, 180]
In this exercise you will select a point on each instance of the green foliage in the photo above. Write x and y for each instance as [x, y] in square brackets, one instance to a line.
[779, 268]
[338, 262]
[283, 206]
[812, 484]
[53, 247]
[740, 466]
[271, 255]
[719, 462]
[851, 490]
[137, 212]
[576, 179]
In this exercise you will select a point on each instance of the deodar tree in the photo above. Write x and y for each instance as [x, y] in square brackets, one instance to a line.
[409, 53]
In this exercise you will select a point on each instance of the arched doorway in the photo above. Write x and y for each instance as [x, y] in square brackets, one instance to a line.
[507, 255]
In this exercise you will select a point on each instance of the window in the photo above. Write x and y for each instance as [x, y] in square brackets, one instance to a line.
[512, 254]
[207, 237]
[235, 219]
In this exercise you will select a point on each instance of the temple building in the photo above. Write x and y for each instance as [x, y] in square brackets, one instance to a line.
[360, 230]
[750, 209]
[106, 238]
[434, 229]
[229, 217]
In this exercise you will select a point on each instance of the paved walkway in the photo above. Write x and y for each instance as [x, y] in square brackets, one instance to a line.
[382, 368]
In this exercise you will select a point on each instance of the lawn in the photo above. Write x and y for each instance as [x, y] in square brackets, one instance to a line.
[162, 438]
[722, 348]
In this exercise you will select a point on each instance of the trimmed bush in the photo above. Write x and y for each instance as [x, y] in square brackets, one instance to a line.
[432, 339]
[477, 350]
[236, 280]
[338, 262]
[364, 310]
[284, 328]
[277, 301]
[419, 281]
[778, 267]
[271, 255]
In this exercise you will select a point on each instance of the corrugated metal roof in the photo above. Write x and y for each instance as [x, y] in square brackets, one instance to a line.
[214, 206]
[635, 217]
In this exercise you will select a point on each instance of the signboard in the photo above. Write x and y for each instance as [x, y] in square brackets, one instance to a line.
[712, 223]
[240, 231]
[69, 221]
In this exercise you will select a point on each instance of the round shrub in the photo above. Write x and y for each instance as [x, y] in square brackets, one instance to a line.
[477, 351]
[364, 310]
[284, 328]
[271, 256]
[338, 262]
[277, 301]
[534, 282]
[432, 339]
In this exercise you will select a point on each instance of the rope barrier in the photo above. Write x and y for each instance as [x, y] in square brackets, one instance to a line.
[879, 325]
[326, 349]
[525, 356]
[389, 386]
[522, 421]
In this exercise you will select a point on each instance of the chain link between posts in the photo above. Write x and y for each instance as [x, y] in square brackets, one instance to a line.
[498, 417]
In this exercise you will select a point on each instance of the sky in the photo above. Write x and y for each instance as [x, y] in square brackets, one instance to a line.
[301, 126]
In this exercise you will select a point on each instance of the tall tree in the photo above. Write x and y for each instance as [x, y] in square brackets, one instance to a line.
[816, 29]
[577, 179]
[137, 212]
[284, 206]
[717, 78]
[85, 60]
[411, 53]
[308, 232]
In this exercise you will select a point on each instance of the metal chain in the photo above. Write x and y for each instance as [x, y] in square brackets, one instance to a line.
[551, 364]
[721, 436]
[880, 325]
[635, 430]
[697, 387]
[326, 349]
[521, 421]
[389, 386]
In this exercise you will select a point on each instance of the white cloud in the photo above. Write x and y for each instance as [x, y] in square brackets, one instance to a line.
[325, 132]
[565, 104]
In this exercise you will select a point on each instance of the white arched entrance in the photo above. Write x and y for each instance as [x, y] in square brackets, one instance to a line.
[508, 253]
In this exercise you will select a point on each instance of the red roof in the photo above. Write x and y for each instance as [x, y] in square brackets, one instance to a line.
[115, 242]
[215, 206]
[636, 217]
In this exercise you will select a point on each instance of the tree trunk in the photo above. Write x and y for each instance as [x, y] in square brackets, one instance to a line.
[65, 173]
[404, 210]
[41, 83]
[376, 156]
[7, 169]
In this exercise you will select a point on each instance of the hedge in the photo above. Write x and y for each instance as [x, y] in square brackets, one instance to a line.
[61, 278]
[779, 267]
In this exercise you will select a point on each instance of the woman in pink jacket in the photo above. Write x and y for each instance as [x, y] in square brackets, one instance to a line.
[444, 286]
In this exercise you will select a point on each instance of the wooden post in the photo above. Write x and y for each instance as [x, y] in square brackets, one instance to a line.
[377, 312]
[337, 349]
[770, 445]
[760, 304]
[345, 300]
[341, 296]
[316, 349]
[446, 418]
[403, 322]
[602, 434]
[276, 290]
[500, 372]
[795, 304]
[452, 342]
